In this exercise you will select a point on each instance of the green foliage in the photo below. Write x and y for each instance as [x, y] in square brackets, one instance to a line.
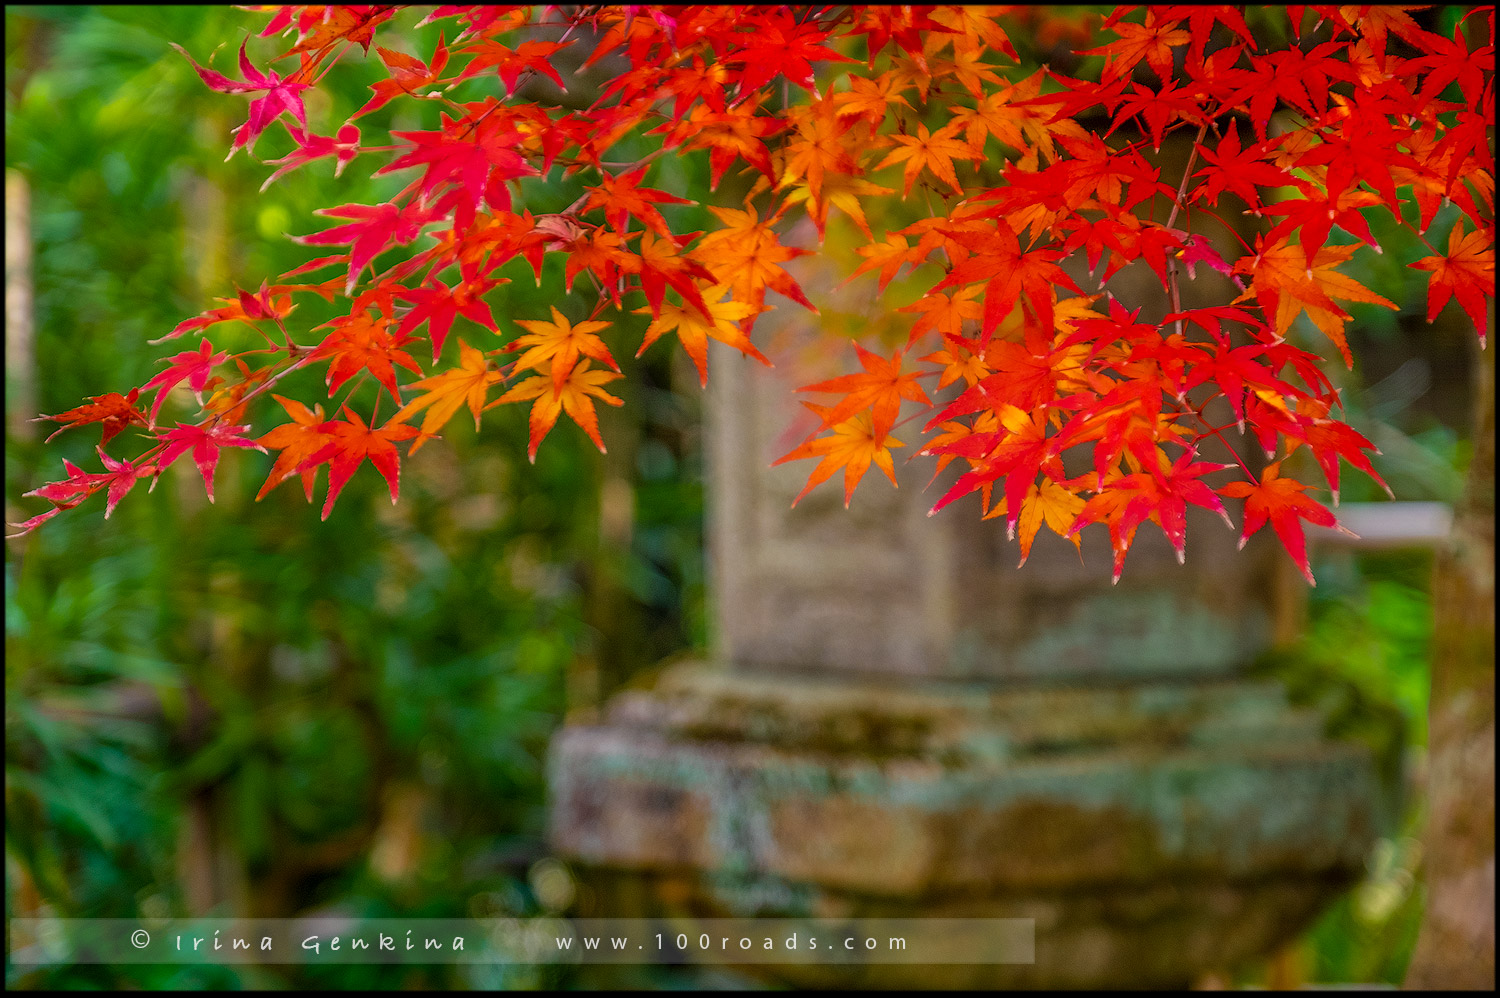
[245, 706]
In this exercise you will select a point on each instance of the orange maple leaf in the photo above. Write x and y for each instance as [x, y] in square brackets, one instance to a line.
[852, 445]
[1286, 286]
[880, 388]
[935, 151]
[363, 341]
[466, 383]
[1048, 503]
[1152, 41]
[746, 255]
[572, 397]
[694, 328]
[298, 441]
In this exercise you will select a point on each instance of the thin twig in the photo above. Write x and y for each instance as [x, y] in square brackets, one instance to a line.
[1187, 172]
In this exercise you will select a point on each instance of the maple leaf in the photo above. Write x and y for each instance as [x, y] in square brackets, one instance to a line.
[529, 56]
[465, 384]
[1048, 503]
[944, 313]
[572, 397]
[1286, 286]
[1127, 501]
[880, 388]
[734, 133]
[782, 47]
[746, 255]
[560, 342]
[1299, 78]
[310, 147]
[438, 305]
[377, 228]
[717, 319]
[662, 266]
[245, 307]
[852, 445]
[1280, 502]
[1236, 170]
[352, 441]
[933, 151]
[192, 366]
[601, 251]
[623, 196]
[205, 443]
[281, 96]
[1329, 440]
[1152, 41]
[907, 26]
[362, 341]
[121, 478]
[843, 192]
[66, 494]
[1016, 450]
[868, 100]
[997, 257]
[1467, 271]
[1198, 250]
[889, 257]
[1160, 107]
[112, 409]
[1201, 21]
[408, 73]
[297, 441]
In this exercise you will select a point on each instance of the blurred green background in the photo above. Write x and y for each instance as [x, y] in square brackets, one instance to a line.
[242, 710]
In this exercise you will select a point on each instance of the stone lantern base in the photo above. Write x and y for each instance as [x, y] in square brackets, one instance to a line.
[1154, 831]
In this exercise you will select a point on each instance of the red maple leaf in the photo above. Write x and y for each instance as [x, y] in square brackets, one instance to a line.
[438, 305]
[352, 442]
[376, 228]
[1280, 502]
[205, 442]
[192, 366]
[114, 410]
[310, 147]
[281, 96]
[1124, 503]
[1467, 270]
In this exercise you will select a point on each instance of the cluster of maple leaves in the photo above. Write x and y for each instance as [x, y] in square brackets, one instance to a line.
[1359, 111]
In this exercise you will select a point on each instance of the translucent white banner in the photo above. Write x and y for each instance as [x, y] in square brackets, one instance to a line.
[332, 939]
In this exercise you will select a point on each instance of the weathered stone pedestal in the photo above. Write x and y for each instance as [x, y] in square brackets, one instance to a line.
[899, 722]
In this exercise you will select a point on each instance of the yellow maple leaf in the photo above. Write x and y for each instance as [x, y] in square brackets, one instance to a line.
[572, 397]
[1048, 503]
[560, 343]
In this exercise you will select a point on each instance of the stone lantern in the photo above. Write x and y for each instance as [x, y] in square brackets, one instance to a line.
[895, 721]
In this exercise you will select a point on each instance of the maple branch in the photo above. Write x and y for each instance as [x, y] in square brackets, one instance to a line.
[265, 386]
[1234, 453]
[1187, 172]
